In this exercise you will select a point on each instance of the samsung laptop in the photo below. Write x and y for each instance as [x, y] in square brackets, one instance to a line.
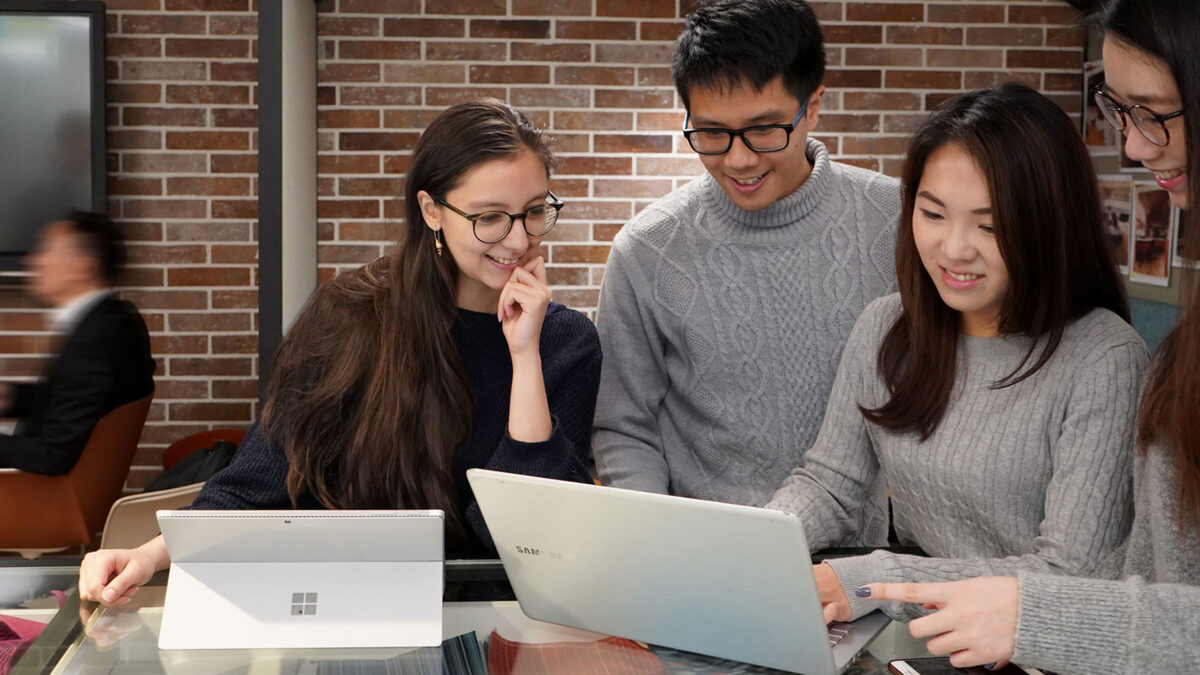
[302, 579]
[723, 580]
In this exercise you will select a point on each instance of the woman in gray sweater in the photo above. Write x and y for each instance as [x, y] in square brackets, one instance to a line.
[1149, 621]
[995, 394]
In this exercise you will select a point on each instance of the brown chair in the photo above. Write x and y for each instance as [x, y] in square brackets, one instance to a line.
[39, 514]
[197, 441]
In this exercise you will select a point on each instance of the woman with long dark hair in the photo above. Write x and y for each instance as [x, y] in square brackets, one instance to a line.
[1148, 622]
[995, 393]
[401, 375]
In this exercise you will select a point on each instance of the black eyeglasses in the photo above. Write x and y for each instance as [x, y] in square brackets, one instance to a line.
[493, 226]
[759, 138]
[1152, 125]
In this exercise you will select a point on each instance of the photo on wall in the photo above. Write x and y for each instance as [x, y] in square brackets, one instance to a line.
[1099, 136]
[1153, 235]
[1115, 199]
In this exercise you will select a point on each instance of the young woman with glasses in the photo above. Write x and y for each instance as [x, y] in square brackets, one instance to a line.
[995, 393]
[1149, 620]
[445, 356]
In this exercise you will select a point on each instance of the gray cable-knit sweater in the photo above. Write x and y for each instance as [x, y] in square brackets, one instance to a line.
[722, 329]
[1035, 476]
[1147, 623]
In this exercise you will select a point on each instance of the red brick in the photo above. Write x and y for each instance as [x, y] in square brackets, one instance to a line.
[178, 344]
[142, 254]
[397, 164]
[509, 74]
[208, 186]
[510, 28]
[595, 30]
[635, 8]
[233, 25]
[234, 164]
[234, 389]
[235, 208]
[987, 80]
[593, 75]
[340, 253]
[166, 299]
[964, 58]
[447, 96]
[669, 166]
[424, 74]
[377, 96]
[380, 6]
[348, 208]
[552, 97]
[142, 231]
[207, 231]
[880, 101]
[579, 254]
[590, 120]
[853, 34]
[553, 8]
[208, 276]
[209, 322]
[655, 121]
[177, 389]
[236, 71]
[924, 35]
[922, 79]
[370, 187]
[208, 47]
[367, 231]
[329, 163]
[125, 185]
[638, 98]
[208, 140]
[466, 51]
[211, 93]
[566, 276]
[163, 24]
[633, 143]
[472, 7]
[1005, 36]
[1044, 59]
[964, 12]
[887, 12]
[207, 5]
[632, 188]
[1063, 82]
[382, 140]
[853, 79]
[591, 166]
[228, 299]
[339, 26]
[118, 47]
[660, 30]
[605, 231]
[1065, 37]
[834, 122]
[379, 50]
[164, 70]
[634, 53]
[348, 72]
[163, 208]
[206, 412]
[649, 76]
[881, 56]
[561, 52]
[163, 434]
[23, 322]
[134, 93]
[825, 11]
[1058, 15]
[875, 145]
[348, 119]
[424, 28]
[114, 5]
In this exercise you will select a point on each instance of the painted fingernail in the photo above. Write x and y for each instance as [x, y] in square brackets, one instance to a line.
[990, 666]
[862, 592]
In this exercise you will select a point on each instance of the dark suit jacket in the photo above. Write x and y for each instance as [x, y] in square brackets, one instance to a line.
[103, 364]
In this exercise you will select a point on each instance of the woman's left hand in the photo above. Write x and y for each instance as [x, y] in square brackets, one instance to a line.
[522, 308]
[975, 620]
[834, 603]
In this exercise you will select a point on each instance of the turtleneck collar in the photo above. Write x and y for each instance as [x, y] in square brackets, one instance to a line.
[785, 211]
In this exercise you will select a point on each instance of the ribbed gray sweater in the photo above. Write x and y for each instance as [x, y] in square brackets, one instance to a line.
[722, 329]
[1147, 623]
[1035, 476]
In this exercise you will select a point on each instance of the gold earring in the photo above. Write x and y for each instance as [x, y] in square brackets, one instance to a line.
[437, 242]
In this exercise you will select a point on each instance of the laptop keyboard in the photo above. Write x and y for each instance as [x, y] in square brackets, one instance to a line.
[836, 633]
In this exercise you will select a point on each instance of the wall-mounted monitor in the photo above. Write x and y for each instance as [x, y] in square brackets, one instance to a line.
[52, 117]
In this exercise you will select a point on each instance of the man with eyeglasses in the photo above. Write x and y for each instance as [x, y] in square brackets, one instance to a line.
[726, 304]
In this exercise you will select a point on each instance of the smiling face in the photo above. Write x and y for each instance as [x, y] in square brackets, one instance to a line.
[952, 227]
[1133, 77]
[513, 185]
[755, 180]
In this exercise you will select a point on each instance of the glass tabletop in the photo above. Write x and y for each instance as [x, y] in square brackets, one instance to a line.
[86, 639]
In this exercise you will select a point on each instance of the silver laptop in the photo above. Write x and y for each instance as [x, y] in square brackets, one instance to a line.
[724, 580]
[292, 579]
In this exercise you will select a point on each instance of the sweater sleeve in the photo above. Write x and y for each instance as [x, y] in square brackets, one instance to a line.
[256, 477]
[1088, 502]
[837, 492]
[633, 380]
[1129, 627]
[574, 365]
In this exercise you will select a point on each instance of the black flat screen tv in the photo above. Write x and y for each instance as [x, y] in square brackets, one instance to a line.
[52, 118]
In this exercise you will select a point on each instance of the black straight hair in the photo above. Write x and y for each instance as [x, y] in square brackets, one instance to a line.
[1047, 222]
[100, 238]
[727, 43]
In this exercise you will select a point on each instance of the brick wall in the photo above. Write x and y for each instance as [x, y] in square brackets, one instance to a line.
[593, 72]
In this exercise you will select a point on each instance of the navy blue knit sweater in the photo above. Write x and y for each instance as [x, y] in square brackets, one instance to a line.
[570, 350]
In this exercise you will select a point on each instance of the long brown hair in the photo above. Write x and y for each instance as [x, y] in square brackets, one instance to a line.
[1170, 410]
[369, 397]
[1047, 221]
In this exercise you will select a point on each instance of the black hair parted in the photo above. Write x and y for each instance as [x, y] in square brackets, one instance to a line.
[726, 43]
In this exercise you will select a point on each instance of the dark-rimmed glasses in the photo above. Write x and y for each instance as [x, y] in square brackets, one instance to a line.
[490, 227]
[759, 138]
[1152, 125]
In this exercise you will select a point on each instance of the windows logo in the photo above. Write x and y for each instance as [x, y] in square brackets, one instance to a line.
[304, 604]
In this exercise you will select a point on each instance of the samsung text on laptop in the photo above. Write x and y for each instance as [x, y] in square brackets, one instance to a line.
[719, 579]
[302, 579]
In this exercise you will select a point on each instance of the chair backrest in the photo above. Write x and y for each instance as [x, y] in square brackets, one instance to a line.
[199, 440]
[55, 512]
[131, 520]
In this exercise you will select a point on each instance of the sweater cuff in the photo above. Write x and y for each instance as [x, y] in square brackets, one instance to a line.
[550, 458]
[858, 571]
[1065, 620]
